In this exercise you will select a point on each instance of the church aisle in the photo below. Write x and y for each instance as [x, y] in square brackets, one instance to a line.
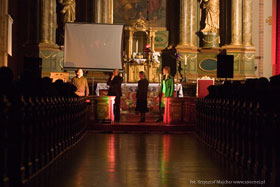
[137, 160]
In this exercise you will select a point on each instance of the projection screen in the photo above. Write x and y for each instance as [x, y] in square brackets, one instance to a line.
[93, 46]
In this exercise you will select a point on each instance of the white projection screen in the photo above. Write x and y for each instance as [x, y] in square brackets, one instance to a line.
[93, 46]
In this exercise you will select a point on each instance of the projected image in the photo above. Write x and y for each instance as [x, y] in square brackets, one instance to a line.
[93, 46]
[127, 11]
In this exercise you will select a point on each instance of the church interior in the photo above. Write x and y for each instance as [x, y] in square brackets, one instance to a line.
[217, 126]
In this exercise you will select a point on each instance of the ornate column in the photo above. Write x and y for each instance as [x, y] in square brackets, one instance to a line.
[247, 22]
[248, 65]
[192, 21]
[241, 39]
[49, 51]
[236, 24]
[97, 14]
[3, 32]
[107, 11]
[187, 40]
[187, 22]
[52, 22]
[183, 22]
[110, 12]
[104, 10]
[48, 22]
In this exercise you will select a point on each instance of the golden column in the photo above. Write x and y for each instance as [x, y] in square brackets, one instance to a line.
[48, 22]
[52, 22]
[98, 9]
[3, 32]
[187, 22]
[104, 11]
[183, 22]
[110, 12]
[247, 22]
[236, 24]
[192, 21]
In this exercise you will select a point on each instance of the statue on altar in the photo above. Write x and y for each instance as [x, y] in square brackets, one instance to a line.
[212, 13]
[68, 11]
[155, 57]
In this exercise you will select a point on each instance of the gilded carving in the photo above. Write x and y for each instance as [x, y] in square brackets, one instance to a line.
[69, 10]
[140, 23]
[269, 20]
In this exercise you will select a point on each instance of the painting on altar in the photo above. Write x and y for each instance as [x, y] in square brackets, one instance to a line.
[128, 11]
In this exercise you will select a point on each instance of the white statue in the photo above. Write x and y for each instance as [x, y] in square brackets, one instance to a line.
[155, 57]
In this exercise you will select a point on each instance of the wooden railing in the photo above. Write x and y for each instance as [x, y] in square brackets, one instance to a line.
[35, 131]
[245, 132]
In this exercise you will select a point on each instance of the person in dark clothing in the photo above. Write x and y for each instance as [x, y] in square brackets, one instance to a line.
[115, 85]
[6, 81]
[141, 96]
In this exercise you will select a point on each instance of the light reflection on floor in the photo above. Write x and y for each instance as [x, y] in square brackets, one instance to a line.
[144, 160]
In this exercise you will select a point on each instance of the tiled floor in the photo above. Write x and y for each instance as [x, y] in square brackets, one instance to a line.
[138, 160]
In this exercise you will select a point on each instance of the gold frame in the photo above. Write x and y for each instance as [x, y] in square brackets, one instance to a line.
[199, 65]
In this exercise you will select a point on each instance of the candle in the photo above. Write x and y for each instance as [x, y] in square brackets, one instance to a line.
[136, 46]
[159, 78]
[185, 60]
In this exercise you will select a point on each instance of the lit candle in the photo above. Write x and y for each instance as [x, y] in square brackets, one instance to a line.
[136, 46]
[185, 60]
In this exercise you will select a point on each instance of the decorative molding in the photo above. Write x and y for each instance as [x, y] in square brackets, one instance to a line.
[269, 20]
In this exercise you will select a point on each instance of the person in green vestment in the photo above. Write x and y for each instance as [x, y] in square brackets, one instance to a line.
[166, 90]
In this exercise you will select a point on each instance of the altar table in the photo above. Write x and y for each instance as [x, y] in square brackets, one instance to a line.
[128, 99]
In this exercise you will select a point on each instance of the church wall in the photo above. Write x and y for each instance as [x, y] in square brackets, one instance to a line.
[267, 67]
[262, 36]
[256, 35]
[19, 35]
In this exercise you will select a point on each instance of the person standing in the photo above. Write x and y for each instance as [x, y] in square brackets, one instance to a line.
[141, 96]
[166, 90]
[80, 82]
[115, 84]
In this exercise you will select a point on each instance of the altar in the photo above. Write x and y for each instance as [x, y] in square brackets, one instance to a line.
[128, 99]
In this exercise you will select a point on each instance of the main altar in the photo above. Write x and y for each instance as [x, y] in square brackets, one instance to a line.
[187, 40]
[140, 52]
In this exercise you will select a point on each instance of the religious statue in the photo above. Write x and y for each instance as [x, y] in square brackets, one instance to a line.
[69, 10]
[212, 13]
[155, 56]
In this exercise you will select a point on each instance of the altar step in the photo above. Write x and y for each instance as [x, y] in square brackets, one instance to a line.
[129, 123]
